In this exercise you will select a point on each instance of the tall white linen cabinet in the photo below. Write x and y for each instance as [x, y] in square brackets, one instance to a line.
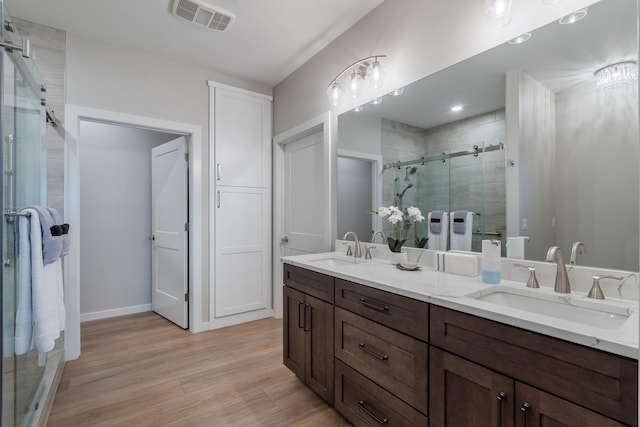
[240, 205]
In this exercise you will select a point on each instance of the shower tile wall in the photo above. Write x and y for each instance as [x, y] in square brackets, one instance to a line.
[454, 184]
[48, 47]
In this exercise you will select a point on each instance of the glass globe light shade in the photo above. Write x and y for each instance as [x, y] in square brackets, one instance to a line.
[355, 84]
[375, 74]
[497, 13]
[333, 93]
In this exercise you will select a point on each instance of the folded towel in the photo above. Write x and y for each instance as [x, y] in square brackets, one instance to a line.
[459, 219]
[64, 230]
[438, 241]
[51, 232]
[24, 326]
[461, 241]
[435, 222]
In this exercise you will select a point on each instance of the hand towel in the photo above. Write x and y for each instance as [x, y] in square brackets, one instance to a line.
[64, 228]
[51, 240]
[438, 241]
[435, 222]
[461, 241]
[515, 247]
[24, 326]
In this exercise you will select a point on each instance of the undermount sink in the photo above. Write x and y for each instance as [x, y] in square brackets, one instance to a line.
[333, 261]
[565, 307]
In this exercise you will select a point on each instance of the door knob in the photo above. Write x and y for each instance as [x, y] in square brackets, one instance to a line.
[285, 239]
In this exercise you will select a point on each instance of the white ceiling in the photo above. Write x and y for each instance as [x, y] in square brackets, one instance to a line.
[267, 41]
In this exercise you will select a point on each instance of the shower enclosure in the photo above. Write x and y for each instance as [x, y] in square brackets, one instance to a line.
[28, 380]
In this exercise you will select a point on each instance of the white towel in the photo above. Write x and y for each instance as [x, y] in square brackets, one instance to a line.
[40, 314]
[24, 326]
[515, 247]
[438, 241]
[462, 242]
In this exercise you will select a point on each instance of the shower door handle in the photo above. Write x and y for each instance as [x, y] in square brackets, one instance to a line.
[218, 171]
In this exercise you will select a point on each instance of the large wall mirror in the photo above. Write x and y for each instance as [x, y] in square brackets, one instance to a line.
[536, 150]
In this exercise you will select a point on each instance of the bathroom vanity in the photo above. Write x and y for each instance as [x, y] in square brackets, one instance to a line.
[385, 346]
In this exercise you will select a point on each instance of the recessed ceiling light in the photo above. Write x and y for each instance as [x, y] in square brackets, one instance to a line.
[358, 108]
[456, 108]
[574, 17]
[520, 39]
[397, 92]
[376, 101]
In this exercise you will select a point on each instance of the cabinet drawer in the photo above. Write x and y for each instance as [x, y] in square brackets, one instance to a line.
[364, 403]
[393, 360]
[315, 284]
[395, 311]
[603, 382]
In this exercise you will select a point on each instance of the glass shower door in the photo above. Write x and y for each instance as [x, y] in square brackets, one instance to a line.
[23, 132]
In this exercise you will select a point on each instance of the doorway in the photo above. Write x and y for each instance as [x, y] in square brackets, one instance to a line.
[78, 120]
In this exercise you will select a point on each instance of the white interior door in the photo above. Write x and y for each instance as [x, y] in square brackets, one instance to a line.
[305, 210]
[169, 201]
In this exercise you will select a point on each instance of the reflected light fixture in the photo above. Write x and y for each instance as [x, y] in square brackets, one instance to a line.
[520, 39]
[616, 75]
[397, 92]
[368, 69]
[574, 17]
[358, 108]
[497, 13]
[376, 101]
[456, 108]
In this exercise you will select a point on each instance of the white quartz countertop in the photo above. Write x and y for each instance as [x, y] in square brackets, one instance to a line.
[457, 292]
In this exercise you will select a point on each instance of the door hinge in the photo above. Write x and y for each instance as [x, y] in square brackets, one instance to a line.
[186, 157]
[186, 227]
[186, 297]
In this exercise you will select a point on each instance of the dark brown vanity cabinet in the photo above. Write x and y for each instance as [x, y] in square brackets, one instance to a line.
[308, 328]
[487, 373]
[381, 357]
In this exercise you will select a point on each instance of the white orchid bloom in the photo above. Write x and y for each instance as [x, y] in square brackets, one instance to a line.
[415, 213]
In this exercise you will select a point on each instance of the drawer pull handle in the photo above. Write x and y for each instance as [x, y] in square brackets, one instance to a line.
[525, 408]
[373, 353]
[300, 318]
[501, 396]
[375, 307]
[372, 415]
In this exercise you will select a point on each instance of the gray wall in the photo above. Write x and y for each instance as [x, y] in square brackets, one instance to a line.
[597, 174]
[115, 218]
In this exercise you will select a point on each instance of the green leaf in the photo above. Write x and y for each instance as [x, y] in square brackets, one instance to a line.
[421, 243]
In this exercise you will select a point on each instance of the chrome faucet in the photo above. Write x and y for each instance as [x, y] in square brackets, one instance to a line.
[380, 232]
[357, 253]
[367, 252]
[577, 248]
[562, 285]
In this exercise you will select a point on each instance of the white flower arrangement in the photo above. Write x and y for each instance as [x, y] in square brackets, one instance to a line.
[396, 217]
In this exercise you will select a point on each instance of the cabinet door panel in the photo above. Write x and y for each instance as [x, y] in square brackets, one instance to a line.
[546, 410]
[463, 394]
[319, 347]
[391, 359]
[242, 263]
[242, 139]
[293, 350]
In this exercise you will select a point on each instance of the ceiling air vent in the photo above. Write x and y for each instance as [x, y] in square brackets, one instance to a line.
[200, 13]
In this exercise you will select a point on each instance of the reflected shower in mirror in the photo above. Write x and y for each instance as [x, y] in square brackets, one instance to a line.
[564, 159]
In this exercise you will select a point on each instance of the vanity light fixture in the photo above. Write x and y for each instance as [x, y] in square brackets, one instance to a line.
[456, 108]
[574, 17]
[368, 69]
[497, 13]
[520, 39]
[616, 75]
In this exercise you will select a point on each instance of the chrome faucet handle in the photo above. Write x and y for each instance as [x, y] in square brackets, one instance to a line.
[596, 291]
[533, 280]
[357, 252]
[367, 252]
[349, 251]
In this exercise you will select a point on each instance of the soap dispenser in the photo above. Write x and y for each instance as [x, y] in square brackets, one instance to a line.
[491, 261]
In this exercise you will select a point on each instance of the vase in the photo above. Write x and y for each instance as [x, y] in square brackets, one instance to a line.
[397, 257]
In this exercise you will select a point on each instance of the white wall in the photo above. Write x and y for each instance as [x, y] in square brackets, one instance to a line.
[115, 219]
[105, 77]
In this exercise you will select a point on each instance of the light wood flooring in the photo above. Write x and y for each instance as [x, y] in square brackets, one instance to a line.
[142, 370]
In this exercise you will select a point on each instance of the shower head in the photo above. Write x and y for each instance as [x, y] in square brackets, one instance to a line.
[405, 190]
[409, 171]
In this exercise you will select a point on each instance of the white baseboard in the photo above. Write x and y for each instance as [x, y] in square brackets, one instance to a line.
[96, 315]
